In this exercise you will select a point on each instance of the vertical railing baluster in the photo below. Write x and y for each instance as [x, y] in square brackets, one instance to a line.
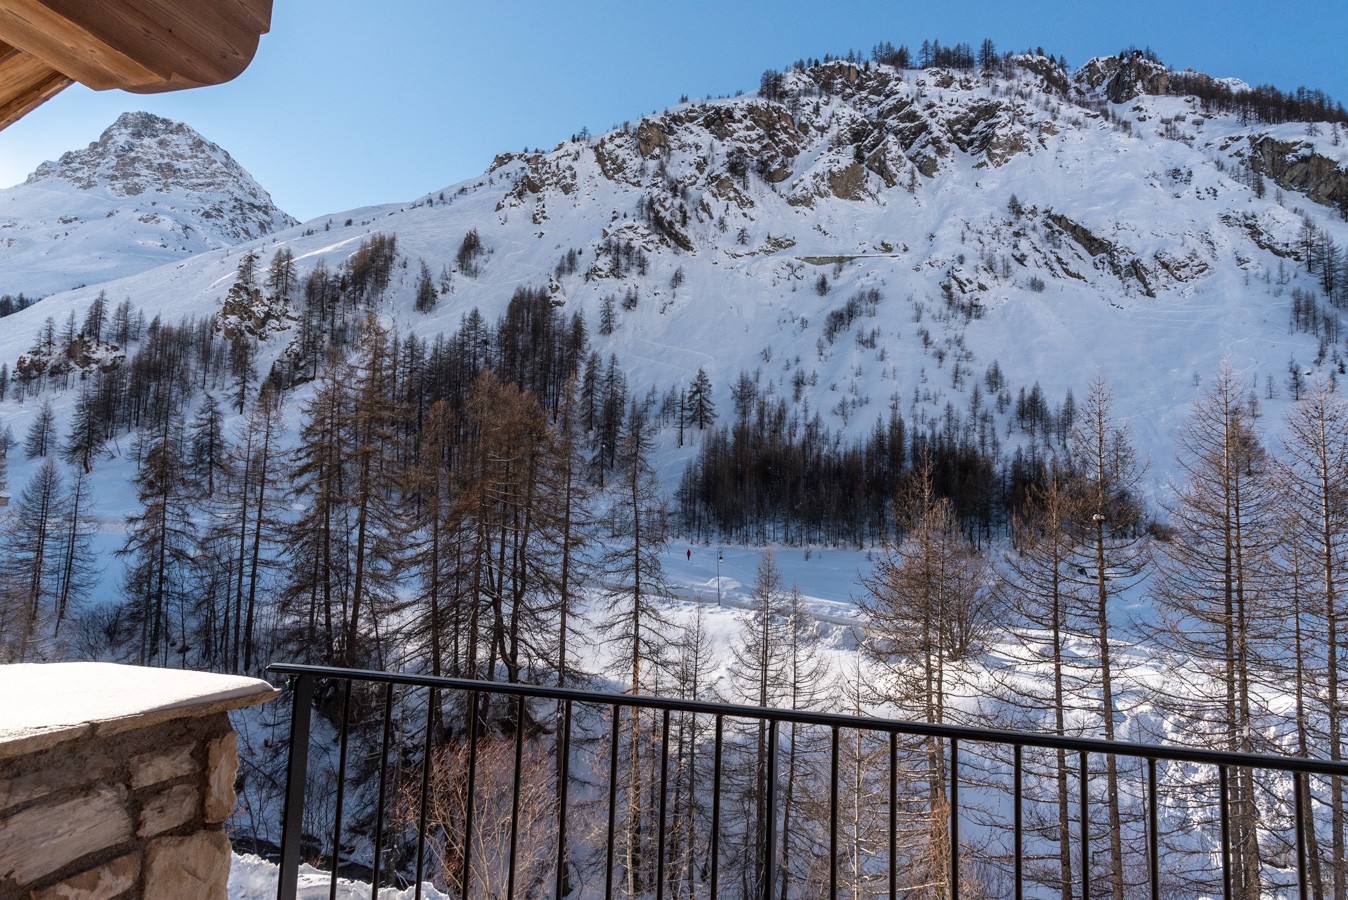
[612, 802]
[1224, 804]
[383, 791]
[1018, 827]
[466, 869]
[770, 826]
[564, 779]
[1154, 826]
[954, 819]
[1085, 778]
[425, 789]
[664, 808]
[1299, 810]
[893, 815]
[515, 796]
[716, 807]
[833, 819]
[341, 788]
[297, 773]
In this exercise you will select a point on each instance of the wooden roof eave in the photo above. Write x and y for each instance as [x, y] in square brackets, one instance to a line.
[143, 46]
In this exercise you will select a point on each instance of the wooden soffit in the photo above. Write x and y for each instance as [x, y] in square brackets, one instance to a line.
[143, 46]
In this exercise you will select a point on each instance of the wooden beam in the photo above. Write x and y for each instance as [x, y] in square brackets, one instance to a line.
[26, 82]
[139, 45]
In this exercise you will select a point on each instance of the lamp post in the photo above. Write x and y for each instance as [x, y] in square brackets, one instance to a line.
[719, 557]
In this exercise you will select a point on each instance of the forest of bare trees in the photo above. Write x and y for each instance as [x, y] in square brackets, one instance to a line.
[486, 505]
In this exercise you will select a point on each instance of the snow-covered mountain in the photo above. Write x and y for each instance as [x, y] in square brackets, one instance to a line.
[147, 192]
[854, 238]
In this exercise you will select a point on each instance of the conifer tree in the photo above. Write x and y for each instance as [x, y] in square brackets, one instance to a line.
[925, 612]
[88, 427]
[76, 573]
[635, 624]
[436, 621]
[248, 517]
[31, 565]
[41, 437]
[315, 595]
[1110, 556]
[758, 675]
[701, 408]
[426, 294]
[691, 676]
[373, 492]
[1037, 586]
[160, 544]
[1311, 483]
[205, 444]
[1216, 590]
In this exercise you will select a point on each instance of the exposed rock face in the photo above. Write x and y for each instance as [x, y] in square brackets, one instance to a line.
[1122, 78]
[1053, 79]
[1296, 167]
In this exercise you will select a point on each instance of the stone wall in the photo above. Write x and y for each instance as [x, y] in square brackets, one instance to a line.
[130, 807]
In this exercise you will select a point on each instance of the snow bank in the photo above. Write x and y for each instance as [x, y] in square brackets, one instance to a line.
[253, 878]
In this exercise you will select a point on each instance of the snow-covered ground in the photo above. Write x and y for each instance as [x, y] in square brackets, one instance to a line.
[253, 878]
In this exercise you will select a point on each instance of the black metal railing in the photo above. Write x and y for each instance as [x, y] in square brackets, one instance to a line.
[564, 756]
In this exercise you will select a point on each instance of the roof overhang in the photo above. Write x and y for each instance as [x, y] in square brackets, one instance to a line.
[143, 46]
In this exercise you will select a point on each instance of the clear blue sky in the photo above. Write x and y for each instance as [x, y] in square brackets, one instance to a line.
[352, 103]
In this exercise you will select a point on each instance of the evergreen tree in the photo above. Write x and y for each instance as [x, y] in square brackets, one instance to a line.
[701, 408]
[41, 437]
[247, 519]
[88, 428]
[205, 444]
[160, 545]
[31, 568]
[76, 571]
[426, 294]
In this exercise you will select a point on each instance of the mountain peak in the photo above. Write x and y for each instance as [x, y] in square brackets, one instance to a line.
[144, 153]
[150, 189]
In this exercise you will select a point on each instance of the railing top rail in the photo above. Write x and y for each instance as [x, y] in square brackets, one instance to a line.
[973, 734]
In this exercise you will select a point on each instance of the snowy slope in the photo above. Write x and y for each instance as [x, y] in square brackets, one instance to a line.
[148, 191]
[1137, 247]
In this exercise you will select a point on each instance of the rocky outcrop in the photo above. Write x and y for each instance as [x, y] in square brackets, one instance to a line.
[1295, 166]
[1053, 79]
[81, 354]
[1124, 77]
[248, 311]
[1262, 236]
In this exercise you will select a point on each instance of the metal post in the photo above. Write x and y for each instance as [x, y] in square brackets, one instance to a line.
[297, 772]
[719, 557]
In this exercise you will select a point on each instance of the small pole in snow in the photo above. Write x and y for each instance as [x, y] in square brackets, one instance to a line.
[719, 557]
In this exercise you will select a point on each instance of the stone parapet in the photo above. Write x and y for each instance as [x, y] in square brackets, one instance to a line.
[115, 781]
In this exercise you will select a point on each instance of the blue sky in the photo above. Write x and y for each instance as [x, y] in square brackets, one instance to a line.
[348, 103]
